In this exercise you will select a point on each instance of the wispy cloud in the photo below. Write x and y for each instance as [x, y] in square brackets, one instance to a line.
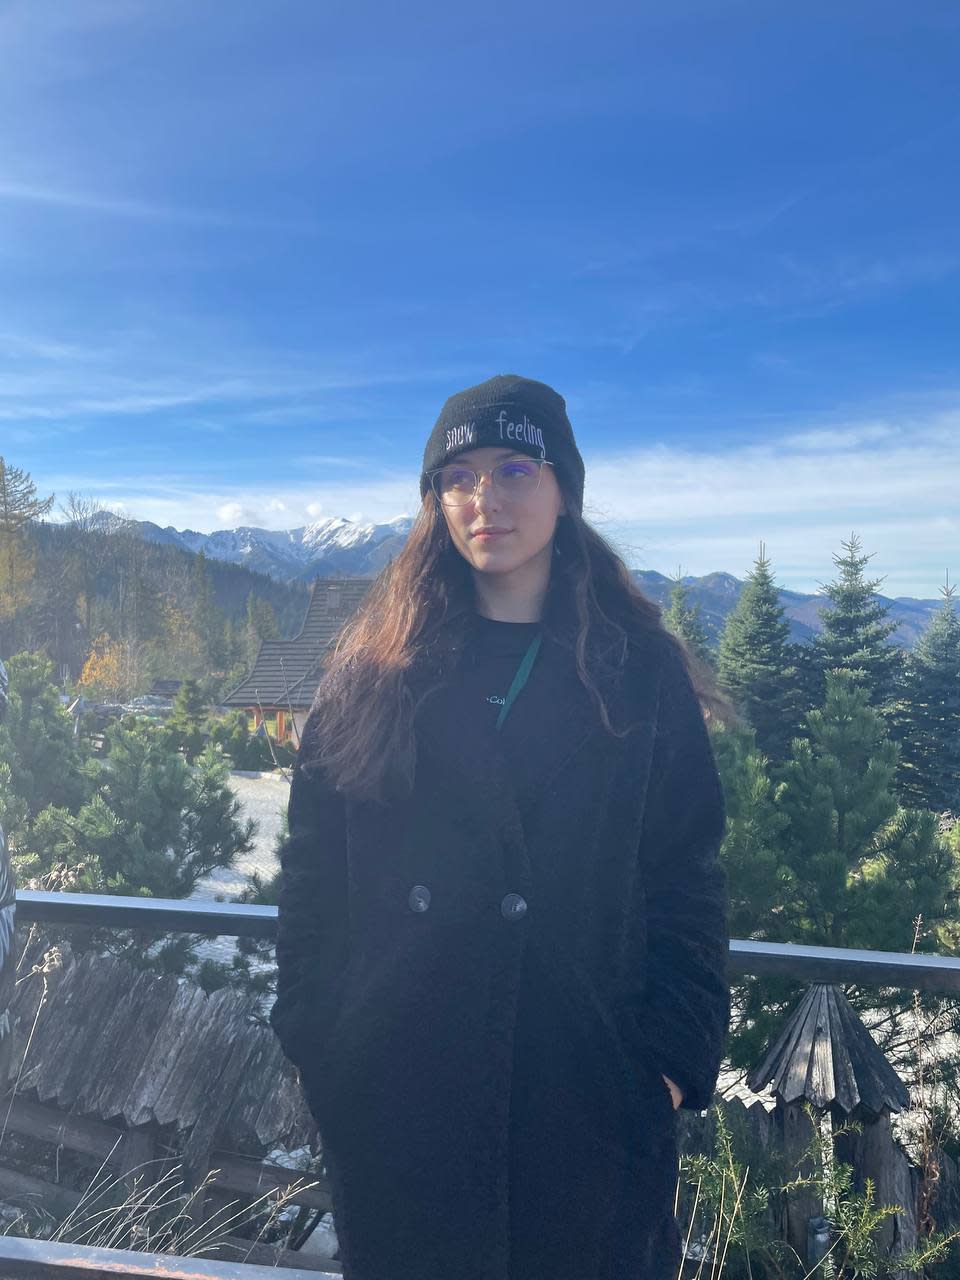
[25, 346]
[112, 206]
[119, 404]
[845, 437]
[47, 379]
[895, 483]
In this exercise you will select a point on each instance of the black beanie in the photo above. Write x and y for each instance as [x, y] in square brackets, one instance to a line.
[511, 411]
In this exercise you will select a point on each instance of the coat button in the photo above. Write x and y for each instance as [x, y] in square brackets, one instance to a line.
[419, 897]
[513, 906]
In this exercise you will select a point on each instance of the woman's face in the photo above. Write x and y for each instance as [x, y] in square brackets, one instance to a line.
[526, 524]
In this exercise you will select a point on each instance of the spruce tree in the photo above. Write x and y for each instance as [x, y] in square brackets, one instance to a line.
[856, 626]
[207, 618]
[808, 682]
[753, 664]
[855, 869]
[685, 620]
[752, 853]
[929, 726]
[246, 750]
[187, 720]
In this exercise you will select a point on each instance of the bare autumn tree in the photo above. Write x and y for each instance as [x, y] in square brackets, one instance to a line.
[93, 522]
[19, 506]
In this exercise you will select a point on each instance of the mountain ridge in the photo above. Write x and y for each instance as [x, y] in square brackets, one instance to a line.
[336, 547]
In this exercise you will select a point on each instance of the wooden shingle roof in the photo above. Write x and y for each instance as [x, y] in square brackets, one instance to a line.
[114, 1042]
[286, 672]
[826, 1054]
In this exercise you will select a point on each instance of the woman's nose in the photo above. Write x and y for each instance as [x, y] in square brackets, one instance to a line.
[486, 496]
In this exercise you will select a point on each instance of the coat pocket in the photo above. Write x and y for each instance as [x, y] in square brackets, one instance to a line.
[355, 1015]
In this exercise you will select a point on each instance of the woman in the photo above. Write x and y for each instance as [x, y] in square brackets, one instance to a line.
[502, 929]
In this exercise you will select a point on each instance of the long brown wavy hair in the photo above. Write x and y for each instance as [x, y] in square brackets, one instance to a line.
[418, 612]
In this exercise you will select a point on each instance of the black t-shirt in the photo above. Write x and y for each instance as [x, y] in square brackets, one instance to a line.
[534, 732]
[496, 651]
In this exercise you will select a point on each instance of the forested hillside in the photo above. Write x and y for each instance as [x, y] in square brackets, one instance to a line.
[106, 606]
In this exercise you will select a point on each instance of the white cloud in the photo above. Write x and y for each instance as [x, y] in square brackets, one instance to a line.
[849, 437]
[230, 513]
[120, 206]
[705, 508]
[709, 509]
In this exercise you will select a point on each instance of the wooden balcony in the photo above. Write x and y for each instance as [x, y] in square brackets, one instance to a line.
[41, 1259]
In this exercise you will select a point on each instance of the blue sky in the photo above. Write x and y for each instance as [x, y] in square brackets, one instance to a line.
[248, 249]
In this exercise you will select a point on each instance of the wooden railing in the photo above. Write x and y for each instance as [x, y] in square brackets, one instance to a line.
[917, 971]
[43, 1259]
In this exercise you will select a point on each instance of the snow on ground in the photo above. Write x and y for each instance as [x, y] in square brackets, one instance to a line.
[264, 798]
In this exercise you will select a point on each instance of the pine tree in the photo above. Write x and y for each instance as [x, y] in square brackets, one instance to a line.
[928, 727]
[838, 795]
[155, 827]
[855, 630]
[808, 683]
[686, 621]
[753, 664]
[246, 750]
[47, 763]
[19, 506]
[232, 643]
[261, 625]
[855, 869]
[188, 718]
[752, 853]
[207, 618]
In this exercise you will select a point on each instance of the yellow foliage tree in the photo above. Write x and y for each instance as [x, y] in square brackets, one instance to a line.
[103, 674]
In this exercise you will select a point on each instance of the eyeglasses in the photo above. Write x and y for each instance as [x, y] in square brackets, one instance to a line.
[457, 484]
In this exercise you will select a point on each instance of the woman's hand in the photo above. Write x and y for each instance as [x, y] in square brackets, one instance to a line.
[675, 1091]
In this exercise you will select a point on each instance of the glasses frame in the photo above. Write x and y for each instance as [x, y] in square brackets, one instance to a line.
[540, 463]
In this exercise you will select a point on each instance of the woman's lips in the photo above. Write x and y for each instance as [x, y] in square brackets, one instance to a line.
[485, 534]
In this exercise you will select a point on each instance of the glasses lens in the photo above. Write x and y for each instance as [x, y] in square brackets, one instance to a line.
[517, 477]
[455, 485]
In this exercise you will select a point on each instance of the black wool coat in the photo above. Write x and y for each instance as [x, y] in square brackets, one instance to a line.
[481, 1008]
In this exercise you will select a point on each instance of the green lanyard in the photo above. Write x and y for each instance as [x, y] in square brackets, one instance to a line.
[521, 677]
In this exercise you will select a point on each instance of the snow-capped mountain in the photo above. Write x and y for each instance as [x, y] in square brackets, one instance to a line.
[334, 547]
[340, 548]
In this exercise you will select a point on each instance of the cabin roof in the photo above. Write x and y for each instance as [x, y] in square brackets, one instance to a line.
[286, 672]
[826, 1054]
